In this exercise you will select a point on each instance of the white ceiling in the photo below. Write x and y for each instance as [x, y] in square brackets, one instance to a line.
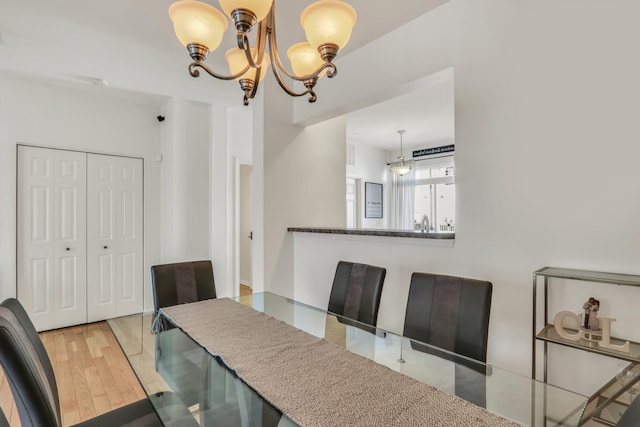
[131, 45]
[427, 116]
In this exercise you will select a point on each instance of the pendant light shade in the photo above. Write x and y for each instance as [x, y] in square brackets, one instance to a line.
[237, 60]
[304, 59]
[259, 8]
[328, 22]
[198, 23]
[400, 167]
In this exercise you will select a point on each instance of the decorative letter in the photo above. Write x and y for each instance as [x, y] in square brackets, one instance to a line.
[557, 323]
[605, 323]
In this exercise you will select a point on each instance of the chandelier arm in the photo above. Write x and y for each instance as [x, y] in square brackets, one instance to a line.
[309, 84]
[243, 44]
[260, 46]
[261, 41]
[277, 62]
[275, 59]
[196, 73]
[286, 88]
[256, 80]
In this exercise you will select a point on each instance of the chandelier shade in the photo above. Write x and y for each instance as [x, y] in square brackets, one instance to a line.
[198, 23]
[327, 24]
[237, 60]
[259, 8]
[304, 59]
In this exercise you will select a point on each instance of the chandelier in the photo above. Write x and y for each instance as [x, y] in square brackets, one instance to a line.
[400, 167]
[327, 25]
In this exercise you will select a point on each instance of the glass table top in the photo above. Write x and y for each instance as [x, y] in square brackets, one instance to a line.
[172, 361]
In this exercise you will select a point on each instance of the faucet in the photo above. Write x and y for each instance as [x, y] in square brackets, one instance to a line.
[424, 224]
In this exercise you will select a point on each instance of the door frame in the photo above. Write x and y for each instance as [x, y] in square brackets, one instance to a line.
[238, 161]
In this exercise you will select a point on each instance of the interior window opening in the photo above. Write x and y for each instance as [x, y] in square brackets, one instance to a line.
[435, 196]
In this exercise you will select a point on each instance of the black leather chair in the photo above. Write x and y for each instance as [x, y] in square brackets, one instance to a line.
[452, 313]
[631, 417]
[180, 360]
[181, 283]
[194, 375]
[449, 312]
[356, 292]
[27, 367]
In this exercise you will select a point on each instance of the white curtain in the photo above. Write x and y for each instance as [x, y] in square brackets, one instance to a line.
[403, 190]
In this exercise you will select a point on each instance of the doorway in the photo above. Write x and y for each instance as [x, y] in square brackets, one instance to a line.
[353, 203]
[245, 225]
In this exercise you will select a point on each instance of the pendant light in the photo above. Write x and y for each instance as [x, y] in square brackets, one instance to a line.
[400, 167]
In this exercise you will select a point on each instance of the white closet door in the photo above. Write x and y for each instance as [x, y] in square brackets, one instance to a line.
[52, 236]
[114, 237]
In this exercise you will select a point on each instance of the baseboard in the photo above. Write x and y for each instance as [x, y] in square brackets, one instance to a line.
[244, 282]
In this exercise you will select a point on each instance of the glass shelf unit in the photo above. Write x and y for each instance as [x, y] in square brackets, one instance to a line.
[550, 334]
[607, 404]
[589, 276]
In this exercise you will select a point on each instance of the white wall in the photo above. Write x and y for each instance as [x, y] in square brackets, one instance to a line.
[546, 148]
[370, 166]
[201, 144]
[185, 175]
[66, 116]
[303, 167]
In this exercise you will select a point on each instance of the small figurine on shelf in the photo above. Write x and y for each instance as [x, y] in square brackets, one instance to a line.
[593, 328]
[590, 319]
[594, 324]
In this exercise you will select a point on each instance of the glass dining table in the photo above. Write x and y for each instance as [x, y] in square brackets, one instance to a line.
[216, 395]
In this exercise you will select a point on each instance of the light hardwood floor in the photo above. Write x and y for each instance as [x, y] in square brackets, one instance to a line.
[244, 290]
[92, 373]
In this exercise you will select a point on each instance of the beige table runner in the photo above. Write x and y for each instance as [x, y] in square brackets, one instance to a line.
[315, 382]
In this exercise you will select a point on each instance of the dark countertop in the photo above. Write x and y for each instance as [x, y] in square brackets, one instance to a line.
[374, 232]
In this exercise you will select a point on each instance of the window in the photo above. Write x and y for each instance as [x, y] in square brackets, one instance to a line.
[435, 196]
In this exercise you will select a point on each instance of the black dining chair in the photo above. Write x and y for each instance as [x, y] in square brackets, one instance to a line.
[180, 283]
[356, 293]
[452, 313]
[193, 374]
[27, 367]
[180, 360]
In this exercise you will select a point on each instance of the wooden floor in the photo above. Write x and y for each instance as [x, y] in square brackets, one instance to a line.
[93, 374]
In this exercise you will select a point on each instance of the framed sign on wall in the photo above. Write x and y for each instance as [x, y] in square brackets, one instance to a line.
[372, 200]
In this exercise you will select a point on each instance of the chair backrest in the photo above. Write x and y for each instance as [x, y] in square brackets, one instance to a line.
[449, 312]
[356, 291]
[28, 368]
[181, 283]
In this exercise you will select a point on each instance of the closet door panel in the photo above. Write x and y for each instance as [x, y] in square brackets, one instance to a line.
[39, 291]
[70, 228]
[51, 237]
[115, 243]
